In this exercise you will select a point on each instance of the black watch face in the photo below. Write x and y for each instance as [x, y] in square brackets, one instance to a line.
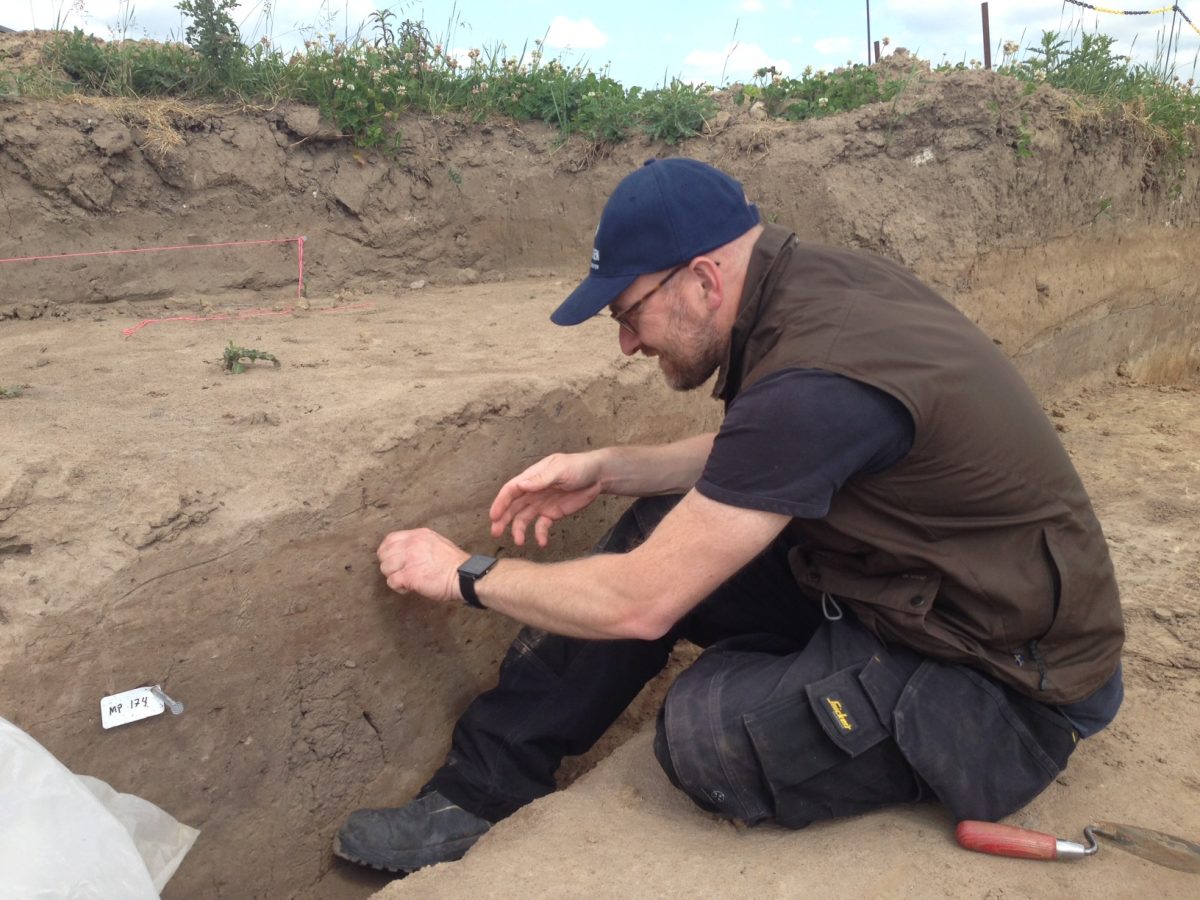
[477, 566]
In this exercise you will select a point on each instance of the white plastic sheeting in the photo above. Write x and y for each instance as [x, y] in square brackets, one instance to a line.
[68, 837]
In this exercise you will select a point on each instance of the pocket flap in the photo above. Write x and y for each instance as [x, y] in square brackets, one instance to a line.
[845, 712]
[912, 593]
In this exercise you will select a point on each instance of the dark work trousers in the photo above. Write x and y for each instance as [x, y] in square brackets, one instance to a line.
[794, 712]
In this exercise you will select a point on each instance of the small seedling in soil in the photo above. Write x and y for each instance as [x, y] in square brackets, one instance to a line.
[11, 392]
[234, 357]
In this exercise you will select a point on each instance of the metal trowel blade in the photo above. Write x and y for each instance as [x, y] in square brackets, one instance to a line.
[1164, 849]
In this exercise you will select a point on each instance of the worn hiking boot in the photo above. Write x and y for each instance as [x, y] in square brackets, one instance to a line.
[428, 830]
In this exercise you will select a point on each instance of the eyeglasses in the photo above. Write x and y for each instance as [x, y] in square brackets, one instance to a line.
[623, 318]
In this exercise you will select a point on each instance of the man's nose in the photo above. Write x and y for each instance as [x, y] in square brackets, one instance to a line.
[629, 341]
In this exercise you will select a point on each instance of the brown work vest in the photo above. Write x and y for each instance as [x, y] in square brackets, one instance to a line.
[981, 545]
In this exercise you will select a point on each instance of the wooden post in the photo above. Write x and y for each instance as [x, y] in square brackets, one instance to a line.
[877, 51]
[987, 39]
[868, 32]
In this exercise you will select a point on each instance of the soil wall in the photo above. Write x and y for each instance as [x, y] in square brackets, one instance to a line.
[1045, 223]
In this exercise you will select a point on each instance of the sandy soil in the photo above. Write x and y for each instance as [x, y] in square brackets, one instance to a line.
[309, 687]
[164, 521]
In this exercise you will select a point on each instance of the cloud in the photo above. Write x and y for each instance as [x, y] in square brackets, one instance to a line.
[566, 33]
[738, 62]
[833, 45]
[932, 27]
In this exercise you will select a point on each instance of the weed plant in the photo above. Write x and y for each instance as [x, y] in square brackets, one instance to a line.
[817, 93]
[365, 83]
[1087, 65]
[234, 358]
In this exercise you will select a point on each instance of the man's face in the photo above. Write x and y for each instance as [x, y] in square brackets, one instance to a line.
[675, 326]
[691, 350]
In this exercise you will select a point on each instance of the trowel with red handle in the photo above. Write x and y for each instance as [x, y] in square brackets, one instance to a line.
[1008, 840]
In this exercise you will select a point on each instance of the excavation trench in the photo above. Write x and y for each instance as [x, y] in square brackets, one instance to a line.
[164, 521]
[189, 541]
[234, 560]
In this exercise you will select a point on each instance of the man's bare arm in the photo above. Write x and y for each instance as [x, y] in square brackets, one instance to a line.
[639, 594]
[646, 471]
[564, 483]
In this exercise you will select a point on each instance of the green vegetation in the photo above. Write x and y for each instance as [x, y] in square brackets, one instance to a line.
[1152, 95]
[818, 93]
[11, 392]
[365, 83]
[234, 355]
[1105, 82]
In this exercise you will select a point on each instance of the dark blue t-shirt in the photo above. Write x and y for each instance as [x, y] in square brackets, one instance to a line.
[790, 441]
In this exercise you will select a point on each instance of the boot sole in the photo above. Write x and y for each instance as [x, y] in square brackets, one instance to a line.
[457, 848]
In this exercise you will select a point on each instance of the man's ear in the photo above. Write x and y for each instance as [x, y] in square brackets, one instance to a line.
[709, 272]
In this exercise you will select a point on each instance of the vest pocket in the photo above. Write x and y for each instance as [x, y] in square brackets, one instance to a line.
[911, 595]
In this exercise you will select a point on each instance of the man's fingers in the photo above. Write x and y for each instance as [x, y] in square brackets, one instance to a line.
[539, 477]
[504, 499]
[520, 523]
[512, 497]
[541, 529]
[502, 521]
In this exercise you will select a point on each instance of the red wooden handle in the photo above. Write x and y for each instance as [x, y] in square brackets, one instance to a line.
[1006, 840]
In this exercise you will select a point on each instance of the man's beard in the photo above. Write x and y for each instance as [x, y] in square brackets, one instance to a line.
[696, 350]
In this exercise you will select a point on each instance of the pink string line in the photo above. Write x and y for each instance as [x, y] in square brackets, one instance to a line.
[243, 314]
[298, 241]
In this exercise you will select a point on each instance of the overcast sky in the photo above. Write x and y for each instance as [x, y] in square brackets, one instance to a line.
[643, 42]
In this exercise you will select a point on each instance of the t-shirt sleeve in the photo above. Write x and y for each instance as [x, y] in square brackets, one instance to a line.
[790, 441]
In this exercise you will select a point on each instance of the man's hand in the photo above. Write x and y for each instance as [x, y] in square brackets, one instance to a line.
[422, 561]
[552, 489]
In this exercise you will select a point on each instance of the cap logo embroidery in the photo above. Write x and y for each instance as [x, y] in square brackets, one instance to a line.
[595, 258]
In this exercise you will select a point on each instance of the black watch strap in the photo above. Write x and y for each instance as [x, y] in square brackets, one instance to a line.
[469, 573]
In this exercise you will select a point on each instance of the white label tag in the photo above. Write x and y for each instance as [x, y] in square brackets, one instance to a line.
[129, 706]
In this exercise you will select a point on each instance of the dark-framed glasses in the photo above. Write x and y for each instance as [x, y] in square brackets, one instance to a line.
[623, 318]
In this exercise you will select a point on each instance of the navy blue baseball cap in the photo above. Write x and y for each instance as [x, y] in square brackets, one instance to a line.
[661, 215]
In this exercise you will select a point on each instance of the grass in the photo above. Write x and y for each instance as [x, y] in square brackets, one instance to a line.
[366, 82]
[1087, 65]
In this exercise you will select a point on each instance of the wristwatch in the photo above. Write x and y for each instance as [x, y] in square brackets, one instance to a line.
[469, 573]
